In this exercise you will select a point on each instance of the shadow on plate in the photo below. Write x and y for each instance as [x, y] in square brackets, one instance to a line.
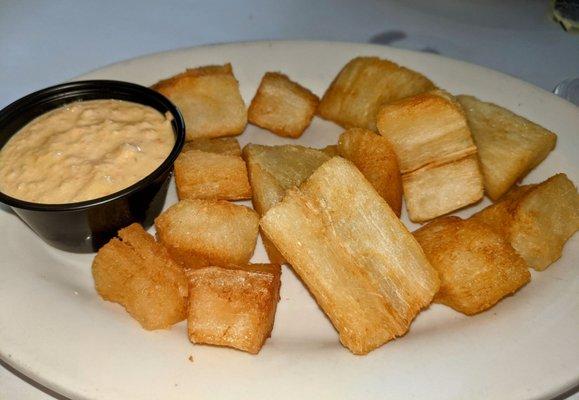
[6, 209]
[389, 38]
[31, 382]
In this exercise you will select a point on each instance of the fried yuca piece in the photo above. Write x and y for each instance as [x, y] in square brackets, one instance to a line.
[282, 106]
[509, 146]
[364, 268]
[212, 173]
[375, 158]
[226, 145]
[436, 153]
[426, 129]
[437, 190]
[275, 169]
[536, 219]
[138, 273]
[476, 265]
[209, 99]
[363, 85]
[200, 233]
[233, 306]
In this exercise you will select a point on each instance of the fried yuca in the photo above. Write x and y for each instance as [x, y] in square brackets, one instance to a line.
[436, 153]
[363, 85]
[200, 233]
[209, 99]
[272, 171]
[374, 156]
[212, 169]
[509, 146]
[138, 273]
[282, 106]
[366, 271]
[476, 265]
[233, 306]
[536, 219]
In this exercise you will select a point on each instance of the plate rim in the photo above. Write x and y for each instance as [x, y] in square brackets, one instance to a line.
[50, 386]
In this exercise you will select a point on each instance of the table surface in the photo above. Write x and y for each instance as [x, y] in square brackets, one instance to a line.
[47, 42]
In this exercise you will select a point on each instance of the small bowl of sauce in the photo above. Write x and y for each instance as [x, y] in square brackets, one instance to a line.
[79, 161]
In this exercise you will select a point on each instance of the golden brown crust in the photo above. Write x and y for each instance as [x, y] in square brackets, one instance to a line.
[203, 175]
[436, 153]
[374, 156]
[138, 273]
[476, 265]
[330, 150]
[427, 129]
[536, 219]
[209, 99]
[433, 191]
[499, 215]
[282, 106]
[363, 85]
[233, 306]
[509, 146]
[227, 145]
[272, 171]
[225, 69]
[364, 268]
[200, 233]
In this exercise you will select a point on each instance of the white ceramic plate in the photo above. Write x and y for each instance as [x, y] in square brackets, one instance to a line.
[55, 329]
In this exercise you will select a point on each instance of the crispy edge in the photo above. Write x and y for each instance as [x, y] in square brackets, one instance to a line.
[433, 103]
[134, 244]
[334, 96]
[510, 218]
[206, 70]
[444, 239]
[415, 198]
[497, 189]
[225, 145]
[200, 175]
[298, 200]
[191, 258]
[260, 105]
[374, 156]
[267, 307]
[170, 84]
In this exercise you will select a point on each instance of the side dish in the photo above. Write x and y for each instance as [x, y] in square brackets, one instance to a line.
[332, 214]
[200, 233]
[84, 150]
[212, 169]
[363, 85]
[536, 219]
[282, 106]
[233, 306]
[375, 157]
[437, 155]
[138, 273]
[509, 146]
[477, 266]
[359, 261]
[209, 100]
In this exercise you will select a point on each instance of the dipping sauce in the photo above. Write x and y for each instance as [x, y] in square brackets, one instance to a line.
[84, 150]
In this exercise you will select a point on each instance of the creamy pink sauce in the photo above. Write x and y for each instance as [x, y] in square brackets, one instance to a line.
[83, 151]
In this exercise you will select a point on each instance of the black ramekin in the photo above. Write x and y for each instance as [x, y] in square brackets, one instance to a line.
[84, 227]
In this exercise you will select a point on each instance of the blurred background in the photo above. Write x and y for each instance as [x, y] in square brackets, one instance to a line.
[47, 42]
